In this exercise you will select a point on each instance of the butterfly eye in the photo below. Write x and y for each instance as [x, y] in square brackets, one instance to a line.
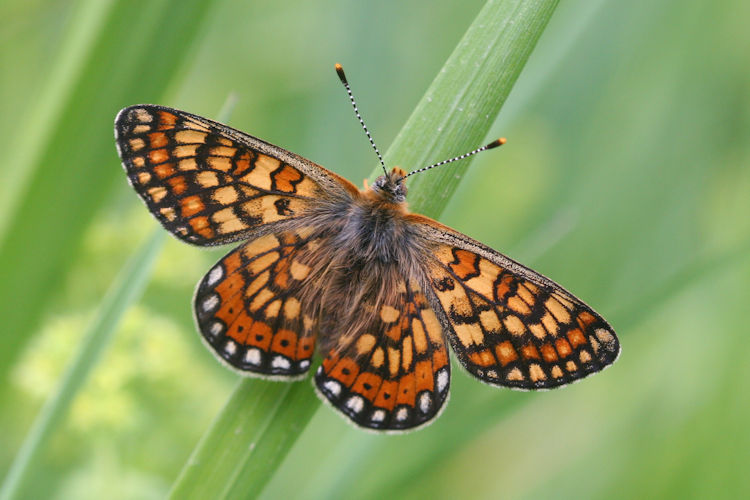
[379, 183]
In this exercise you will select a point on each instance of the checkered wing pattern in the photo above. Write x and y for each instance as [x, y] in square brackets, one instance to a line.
[394, 374]
[509, 325]
[249, 311]
[209, 184]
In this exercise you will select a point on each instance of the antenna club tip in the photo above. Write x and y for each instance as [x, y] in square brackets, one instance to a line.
[497, 142]
[340, 72]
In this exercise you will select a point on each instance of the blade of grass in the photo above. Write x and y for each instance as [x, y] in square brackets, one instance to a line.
[255, 430]
[128, 286]
[463, 101]
[70, 173]
[225, 463]
[35, 130]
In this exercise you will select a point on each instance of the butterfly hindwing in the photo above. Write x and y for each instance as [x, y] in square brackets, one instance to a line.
[393, 374]
[248, 307]
[209, 184]
[510, 326]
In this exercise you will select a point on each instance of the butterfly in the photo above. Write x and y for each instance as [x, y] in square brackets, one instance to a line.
[378, 291]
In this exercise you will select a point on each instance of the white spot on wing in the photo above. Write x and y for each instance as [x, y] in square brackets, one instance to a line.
[355, 403]
[214, 275]
[304, 363]
[442, 380]
[333, 387]
[402, 414]
[378, 416]
[425, 401]
[210, 302]
[215, 328]
[230, 347]
[253, 356]
[280, 362]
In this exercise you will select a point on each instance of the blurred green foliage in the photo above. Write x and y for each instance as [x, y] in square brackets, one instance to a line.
[626, 178]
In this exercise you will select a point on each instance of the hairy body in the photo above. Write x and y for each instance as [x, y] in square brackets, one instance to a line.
[366, 246]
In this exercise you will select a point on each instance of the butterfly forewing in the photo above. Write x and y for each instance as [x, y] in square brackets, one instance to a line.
[207, 183]
[248, 307]
[394, 374]
[510, 326]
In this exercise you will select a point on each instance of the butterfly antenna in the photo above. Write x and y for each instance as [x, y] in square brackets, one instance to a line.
[493, 144]
[342, 77]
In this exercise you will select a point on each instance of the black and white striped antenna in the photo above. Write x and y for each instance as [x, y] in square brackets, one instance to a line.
[493, 144]
[342, 77]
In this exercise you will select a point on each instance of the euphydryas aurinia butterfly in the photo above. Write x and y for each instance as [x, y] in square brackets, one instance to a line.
[380, 291]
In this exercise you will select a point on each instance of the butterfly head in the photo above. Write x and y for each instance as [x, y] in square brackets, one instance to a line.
[391, 186]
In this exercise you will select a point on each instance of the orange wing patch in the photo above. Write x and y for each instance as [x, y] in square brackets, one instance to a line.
[204, 182]
[248, 310]
[515, 328]
[395, 374]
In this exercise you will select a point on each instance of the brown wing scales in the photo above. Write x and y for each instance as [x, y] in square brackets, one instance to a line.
[205, 182]
[509, 330]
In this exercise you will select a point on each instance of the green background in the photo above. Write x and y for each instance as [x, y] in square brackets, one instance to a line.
[626, 178]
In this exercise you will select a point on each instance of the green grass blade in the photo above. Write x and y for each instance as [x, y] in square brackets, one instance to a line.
[463, 101]
[250, 436]
[35, 128]
[261, 420]
[136, 52]
[126, 289]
